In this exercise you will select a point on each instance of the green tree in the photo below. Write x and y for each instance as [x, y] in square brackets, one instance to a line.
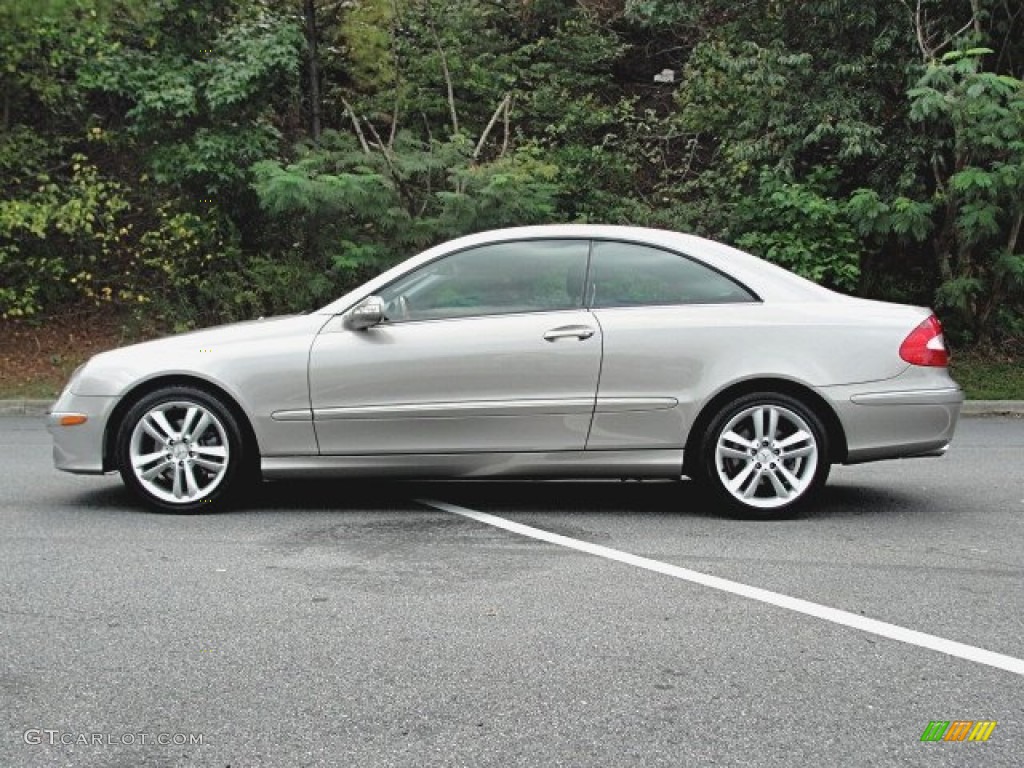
[448, 124]
[975, 120]
[60, 214]
[211, 159]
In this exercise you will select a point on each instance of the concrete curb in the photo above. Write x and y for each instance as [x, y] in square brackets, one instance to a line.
[971, 407]
[993, 408]
[24, 407]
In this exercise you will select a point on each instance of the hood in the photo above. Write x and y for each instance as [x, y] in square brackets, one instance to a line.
[193, 353]
[246, 330]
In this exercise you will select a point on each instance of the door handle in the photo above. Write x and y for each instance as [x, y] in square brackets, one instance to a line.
[581, 332]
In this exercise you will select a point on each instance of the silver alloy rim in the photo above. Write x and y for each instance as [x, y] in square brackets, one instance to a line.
[766, 456]
[179, 451]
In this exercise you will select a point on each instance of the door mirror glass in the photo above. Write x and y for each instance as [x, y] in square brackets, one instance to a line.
[366, 314]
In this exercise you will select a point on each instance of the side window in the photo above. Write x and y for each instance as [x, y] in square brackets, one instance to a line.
[630, 275]
[497, 279]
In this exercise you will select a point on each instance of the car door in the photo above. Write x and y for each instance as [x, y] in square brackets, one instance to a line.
[664, 319]
[486, 349]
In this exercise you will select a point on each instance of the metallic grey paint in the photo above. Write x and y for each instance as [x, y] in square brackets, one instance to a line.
[610, 392]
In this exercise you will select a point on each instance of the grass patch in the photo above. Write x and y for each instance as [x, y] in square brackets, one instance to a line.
[986, 378]
[37, 357]
[30, 390]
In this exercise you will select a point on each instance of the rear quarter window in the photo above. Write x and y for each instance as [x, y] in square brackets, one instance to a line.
[632, 275]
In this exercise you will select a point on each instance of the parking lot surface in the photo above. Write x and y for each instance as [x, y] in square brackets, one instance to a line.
[390, 624]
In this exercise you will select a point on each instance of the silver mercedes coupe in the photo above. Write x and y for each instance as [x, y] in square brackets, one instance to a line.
[567, 351]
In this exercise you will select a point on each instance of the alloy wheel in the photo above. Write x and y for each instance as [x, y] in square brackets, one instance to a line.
[766, 456]
[179, 451]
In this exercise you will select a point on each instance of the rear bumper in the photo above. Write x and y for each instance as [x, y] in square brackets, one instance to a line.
[900, 423]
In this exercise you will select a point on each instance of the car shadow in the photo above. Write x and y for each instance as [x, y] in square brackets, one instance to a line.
[649, 498]
[668, 498]
[848, 500]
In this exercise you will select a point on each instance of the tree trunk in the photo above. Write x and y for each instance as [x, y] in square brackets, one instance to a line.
[312, 49]
[998, 290]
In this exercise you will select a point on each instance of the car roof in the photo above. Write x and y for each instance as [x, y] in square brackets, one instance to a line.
[768, 281]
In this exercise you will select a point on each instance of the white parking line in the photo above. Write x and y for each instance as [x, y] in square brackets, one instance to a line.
[836, 616]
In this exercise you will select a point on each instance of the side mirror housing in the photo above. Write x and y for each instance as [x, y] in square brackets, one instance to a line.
[366, 314]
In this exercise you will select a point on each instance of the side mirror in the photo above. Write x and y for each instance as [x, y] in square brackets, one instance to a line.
[366, 314]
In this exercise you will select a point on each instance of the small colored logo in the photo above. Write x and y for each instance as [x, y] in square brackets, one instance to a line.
[958, 730]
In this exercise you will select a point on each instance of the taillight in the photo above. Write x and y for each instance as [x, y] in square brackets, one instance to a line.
[925, 345]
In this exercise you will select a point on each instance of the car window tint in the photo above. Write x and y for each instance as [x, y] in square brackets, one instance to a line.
[502, 278]
[630, 275]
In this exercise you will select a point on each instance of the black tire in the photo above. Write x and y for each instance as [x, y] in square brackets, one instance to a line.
[185, 473]
[778, 474]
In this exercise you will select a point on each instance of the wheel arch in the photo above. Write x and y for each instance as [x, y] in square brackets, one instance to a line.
[140, 390]
[833, 426]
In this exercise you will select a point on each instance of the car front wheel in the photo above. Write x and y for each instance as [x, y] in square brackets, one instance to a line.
[765, 455]
[181, 450]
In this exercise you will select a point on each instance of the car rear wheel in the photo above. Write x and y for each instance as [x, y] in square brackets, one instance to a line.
[181, 450]
[765, 455]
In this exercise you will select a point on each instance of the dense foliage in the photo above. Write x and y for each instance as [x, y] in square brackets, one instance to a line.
[216, 159]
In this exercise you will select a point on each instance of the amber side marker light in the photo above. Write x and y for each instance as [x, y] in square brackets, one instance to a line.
[73, 419]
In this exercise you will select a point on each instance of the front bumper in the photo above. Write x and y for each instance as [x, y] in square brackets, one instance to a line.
[79, 448]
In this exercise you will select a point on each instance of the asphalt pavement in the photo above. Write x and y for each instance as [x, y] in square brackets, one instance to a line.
[354, 624]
